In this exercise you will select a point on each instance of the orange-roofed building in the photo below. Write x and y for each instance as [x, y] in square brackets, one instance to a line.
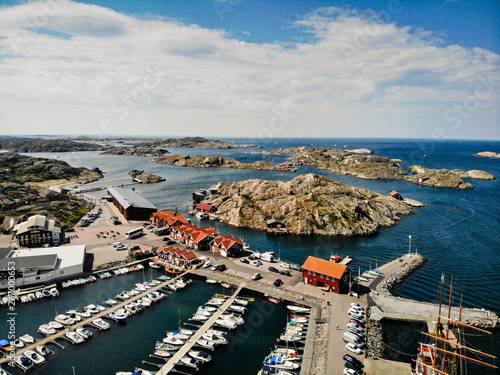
[325, 274]
[227, 246]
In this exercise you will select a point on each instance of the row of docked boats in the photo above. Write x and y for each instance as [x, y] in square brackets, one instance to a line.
[31, 297]
[286, 357]
[31, 358]
[79, 281]
[209, 340]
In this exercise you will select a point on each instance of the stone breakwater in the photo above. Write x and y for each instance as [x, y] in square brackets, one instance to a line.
[397, 277]
[374, 342]
[417, 310]
[318, 364]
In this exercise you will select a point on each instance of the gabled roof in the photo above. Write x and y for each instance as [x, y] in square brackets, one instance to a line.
[227, 242]
[204, 206]
[394, 192]
[129, 198]
[37, 221]
[324, 267]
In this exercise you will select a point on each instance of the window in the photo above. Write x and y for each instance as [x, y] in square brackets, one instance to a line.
[327, 277]
[61, 272]
[37, 278]
[314, 273]
[309, 272]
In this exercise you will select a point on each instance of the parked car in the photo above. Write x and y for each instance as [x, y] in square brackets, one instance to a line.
[350, 358]
[221, 267]
[356, 305]
[352, 365]
[135, 247]
[214, 267]
[285, 265]
[358, 318]
[255, 263]
[207, 264]
[285, 273]
[272, 269]
[350, 371]
[116, 244]
[277, 283]
[355, 327]
[122, 247]
[256, 276]
[353, 348]
[353, 311]
[353, 294]
[354, 321]
[244, 261]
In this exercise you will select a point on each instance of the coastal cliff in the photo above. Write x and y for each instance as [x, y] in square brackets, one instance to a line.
[488, 154]
[201, 161]
[308, 204]
[46, 145]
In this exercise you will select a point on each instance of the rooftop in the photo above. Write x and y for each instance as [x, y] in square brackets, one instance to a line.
[324, 267]
[129, 198]
[67, 256]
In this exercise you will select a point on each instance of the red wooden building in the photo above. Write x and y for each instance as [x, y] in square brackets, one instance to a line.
[206, 208]
[325, 274]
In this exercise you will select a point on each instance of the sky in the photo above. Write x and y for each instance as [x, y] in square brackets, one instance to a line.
[255, 69]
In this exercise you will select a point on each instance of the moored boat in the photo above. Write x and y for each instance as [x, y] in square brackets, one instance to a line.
[64, 320]
[84, 332]
[35, 357]
[101, 324]
[200, 355]
[46, 330]
[189, 362]
[299, 309]
[119, 315]
[23, 362]
[55, 325]
[27, 339]
[74, 337]
[43, 350]
[154, 265]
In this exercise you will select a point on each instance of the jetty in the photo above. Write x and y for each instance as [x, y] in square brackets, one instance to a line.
[88, 321]
[197, 335]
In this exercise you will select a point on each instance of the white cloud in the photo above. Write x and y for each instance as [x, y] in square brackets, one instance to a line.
[355, 66]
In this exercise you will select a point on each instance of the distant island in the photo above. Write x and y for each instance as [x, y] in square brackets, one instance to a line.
[375, 167]
[194, 142]
[201, 161]
[24, 192]
[145, 177]
[135, 151]
[26, 145]
[308, 204]
[488, 154]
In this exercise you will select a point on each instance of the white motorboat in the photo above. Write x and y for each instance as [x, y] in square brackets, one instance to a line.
[189, 362]
[215, 302]
[141, 287]
[82, 313]
[132, 308]
[43, 350]
[229, 324]
[119, 315]
[180, 284]
[178, 335]
[173, 340]
[46, 293]
[38, 294]
[205, 344]
[154, 265]
[200, 355]
[55, 325]
[162, 353]
[74, 337]
[173, 286]
[199, 318]
[168, 347]
[207, 308]
[211, 281]
[101, 324]
[5, 300]
[91, 309]
[35, 357]
[290, 338]
[24, 299]
[73, 315]
[100, 308]
[299, 319]
[238, 308]
[217, 340]
[146, 301]
[64, 320]
[286, 353]
[203, 312]
[299, 309]
[110, 302]
[279, 363]
[212, 331]
[234, 318]
[134, 292]
[123, 296]
[54, 292]
[17, 343]
[46, 330]
[23, 362]
[31, 297]
[84, 332]
[27, 339]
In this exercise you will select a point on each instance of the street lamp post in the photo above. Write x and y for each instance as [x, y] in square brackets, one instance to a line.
[409, 246]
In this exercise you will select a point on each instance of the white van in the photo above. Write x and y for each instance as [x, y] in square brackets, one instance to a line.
[117, 244]
[256, 276]
[353, 339]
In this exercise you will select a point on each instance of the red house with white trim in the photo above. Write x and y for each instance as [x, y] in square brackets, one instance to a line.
[227, 246]
[206, 208]
[322, 273]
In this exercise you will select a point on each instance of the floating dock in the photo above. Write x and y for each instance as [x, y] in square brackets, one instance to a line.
[192, 340]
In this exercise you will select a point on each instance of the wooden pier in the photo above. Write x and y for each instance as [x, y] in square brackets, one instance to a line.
[197, 335]
[87, 321]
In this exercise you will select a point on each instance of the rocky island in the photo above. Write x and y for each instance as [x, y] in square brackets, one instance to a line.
[201, 161]
[488, 154]
[22, 190]
[308, 204]
[144, 177]
[46, 145]
[194, 142]
[136, 151]
[375, 167]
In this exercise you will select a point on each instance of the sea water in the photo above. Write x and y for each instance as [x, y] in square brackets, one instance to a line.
[458, 230]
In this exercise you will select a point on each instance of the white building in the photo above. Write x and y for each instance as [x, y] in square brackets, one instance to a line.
[41, 265]
[37, 231]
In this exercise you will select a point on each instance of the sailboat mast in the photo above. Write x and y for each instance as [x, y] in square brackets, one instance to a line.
[448, 321]
[458, 339]
[435, 357]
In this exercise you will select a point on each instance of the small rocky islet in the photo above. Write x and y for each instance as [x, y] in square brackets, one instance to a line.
[308, 204]
[201, 161]
[145, 177]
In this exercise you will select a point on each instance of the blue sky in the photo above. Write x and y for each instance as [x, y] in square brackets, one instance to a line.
[411, 69]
